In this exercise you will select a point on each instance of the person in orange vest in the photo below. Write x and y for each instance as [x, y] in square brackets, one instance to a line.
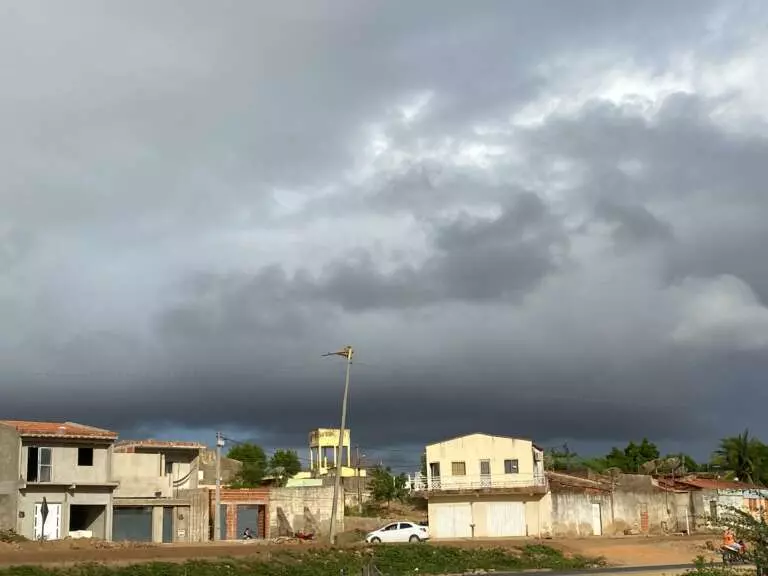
[728, 539]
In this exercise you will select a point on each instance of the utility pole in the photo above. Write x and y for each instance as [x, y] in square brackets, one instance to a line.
[217, 508]
[359, 491]
[347, 353]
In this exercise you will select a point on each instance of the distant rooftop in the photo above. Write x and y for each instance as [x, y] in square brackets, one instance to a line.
[714, 484]
[125, 445]
[30, 429]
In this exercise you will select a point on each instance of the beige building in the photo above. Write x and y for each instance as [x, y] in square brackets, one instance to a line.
[157, 490]
[66, 465]
[485, 486]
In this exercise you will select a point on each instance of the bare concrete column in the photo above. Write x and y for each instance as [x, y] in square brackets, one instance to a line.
[157, 524]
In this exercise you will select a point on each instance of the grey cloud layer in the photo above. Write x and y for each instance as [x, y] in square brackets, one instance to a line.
[148, 280]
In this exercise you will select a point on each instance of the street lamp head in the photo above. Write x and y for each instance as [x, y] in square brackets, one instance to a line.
[345, 352]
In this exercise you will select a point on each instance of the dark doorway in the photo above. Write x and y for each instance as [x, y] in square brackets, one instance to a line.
[167, 525]
[89, 518]
[223, 522]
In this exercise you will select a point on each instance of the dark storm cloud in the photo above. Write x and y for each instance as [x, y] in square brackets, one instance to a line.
[480, 259]
[597, 403]
[476, 259]
[199, 201]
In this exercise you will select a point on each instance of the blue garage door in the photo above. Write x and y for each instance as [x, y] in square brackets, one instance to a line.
[132, 523]
[248, 517]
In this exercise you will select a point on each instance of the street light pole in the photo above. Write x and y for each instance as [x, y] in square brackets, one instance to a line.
[217, 508]
[347, 353]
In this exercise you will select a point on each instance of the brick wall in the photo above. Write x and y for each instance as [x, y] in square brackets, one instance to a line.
[231, 498]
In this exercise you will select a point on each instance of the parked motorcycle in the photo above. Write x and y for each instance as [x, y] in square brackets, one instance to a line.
[735, 553]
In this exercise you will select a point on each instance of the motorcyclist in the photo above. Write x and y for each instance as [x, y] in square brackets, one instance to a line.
[729, 541]
[247, 535]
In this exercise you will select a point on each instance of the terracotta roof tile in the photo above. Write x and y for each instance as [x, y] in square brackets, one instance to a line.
[712, 484]
[32, 429]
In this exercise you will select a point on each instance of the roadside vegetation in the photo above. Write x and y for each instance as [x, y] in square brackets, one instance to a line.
[704, 568]
[396, 560]
[743, 457]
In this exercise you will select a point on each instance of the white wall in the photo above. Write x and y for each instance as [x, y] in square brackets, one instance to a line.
[536, 512]
[571, 511]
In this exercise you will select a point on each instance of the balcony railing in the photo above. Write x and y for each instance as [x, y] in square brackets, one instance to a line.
[479, 482]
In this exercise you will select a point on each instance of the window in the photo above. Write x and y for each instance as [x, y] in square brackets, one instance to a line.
[459, 468]
[39, 464]
[168, 468]
[85, 456]
[405, 526]
[511, 466]
[391, 527]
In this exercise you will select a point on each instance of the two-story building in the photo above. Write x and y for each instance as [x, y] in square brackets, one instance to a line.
[156, 499]
[68, 466]
[485, 486]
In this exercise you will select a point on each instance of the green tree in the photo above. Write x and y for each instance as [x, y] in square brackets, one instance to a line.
[284, 464]
[387, 488]
[254, 464]
[744, 456]
[562, 459]
[598, 465]
[631, 459]
[616, 459]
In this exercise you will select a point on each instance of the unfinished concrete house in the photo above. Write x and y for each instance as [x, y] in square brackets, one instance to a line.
[158, 499]
[64, 464]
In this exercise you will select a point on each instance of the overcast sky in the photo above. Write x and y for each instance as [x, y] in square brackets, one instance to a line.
[543, 219]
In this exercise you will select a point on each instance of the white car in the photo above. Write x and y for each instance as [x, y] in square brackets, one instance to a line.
[399, 532]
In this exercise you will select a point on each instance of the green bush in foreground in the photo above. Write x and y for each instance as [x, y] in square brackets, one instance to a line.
[391, 560]
[704, 568]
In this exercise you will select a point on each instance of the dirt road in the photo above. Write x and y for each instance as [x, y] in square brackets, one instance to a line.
[624, 551]
[640, 551]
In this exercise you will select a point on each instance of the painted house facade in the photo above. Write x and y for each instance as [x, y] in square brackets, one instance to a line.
[67, 465]
[481, 485]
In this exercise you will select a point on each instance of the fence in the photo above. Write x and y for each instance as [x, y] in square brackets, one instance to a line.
[420, 483]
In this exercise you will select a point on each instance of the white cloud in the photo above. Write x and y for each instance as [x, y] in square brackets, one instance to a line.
[722, 311]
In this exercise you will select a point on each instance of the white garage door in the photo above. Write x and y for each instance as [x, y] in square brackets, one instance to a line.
[452, 521]
[506, 519]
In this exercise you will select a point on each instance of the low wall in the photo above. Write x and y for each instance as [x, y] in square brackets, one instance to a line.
[305, 509]
[635, 505]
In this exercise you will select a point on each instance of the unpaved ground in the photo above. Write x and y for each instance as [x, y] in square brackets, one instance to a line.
[640, 551]
[623, 551]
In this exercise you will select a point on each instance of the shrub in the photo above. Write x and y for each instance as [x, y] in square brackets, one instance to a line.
[392, 560]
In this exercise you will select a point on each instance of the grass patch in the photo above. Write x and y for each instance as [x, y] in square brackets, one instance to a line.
[704, 568]
[397, 560]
